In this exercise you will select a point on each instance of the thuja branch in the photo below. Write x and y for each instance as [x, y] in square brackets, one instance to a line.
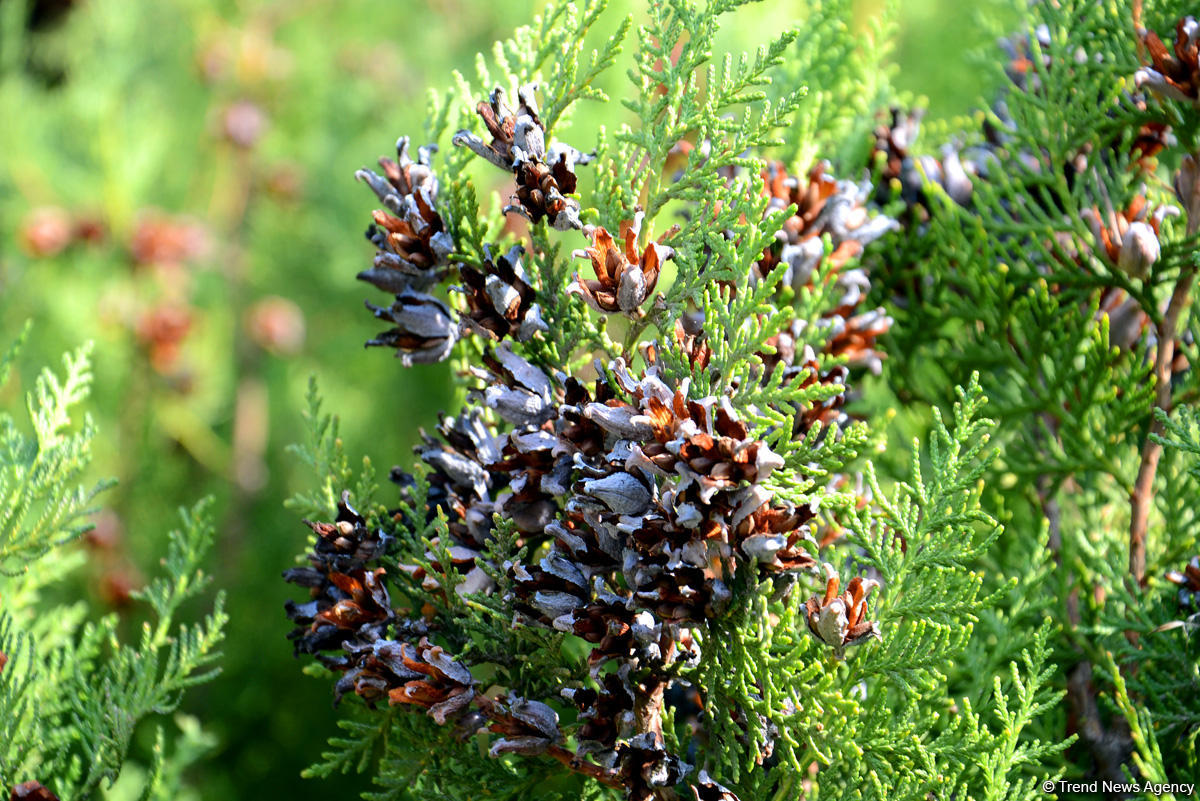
[629, 503]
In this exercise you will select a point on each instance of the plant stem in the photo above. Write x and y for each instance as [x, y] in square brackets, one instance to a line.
[1143, 494]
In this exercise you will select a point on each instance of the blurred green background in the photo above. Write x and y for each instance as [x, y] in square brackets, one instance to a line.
[176, 183]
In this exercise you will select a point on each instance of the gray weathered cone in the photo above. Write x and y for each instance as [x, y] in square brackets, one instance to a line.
[415, 264]
[425, 330]
[526, 399]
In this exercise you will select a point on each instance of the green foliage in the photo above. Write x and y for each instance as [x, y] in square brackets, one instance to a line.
[931, 533]
[72, 693]
[41, 506]
[1017, 283]
[443, 768]
[844, 68]
[672, 99]
[325, 455]
[556, 36]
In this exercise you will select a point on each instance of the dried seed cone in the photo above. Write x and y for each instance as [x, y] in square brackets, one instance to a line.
[32, 791]
[840, 621]
[904, 175]
[636, 504]
[526, 727]
[707, 789]
[1128, 239]
[425, 330]
[543, 177]
[411, 237]
[1173, 73]
[1188, 582]
[348, 599]
[824, 206]
[513, 132]
[625, 278]
[501, 299]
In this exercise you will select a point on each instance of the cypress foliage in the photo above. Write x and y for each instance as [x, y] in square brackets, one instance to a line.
[72, 690]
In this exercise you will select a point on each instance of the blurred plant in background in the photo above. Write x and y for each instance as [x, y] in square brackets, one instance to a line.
[72, 694]
[174, 187]
[169, 190]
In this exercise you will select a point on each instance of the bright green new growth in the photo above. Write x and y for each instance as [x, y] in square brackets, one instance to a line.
[41, 505]
[72, 694]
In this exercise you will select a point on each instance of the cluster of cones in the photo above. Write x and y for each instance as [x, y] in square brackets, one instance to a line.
[636, 500]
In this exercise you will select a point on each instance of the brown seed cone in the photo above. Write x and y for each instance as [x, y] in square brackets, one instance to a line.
[806, 372]
[1128, 239]
[903, 175]
[32, 791]
[837, 209]
[605, 715]
[682, 593]
[551, 592]
[519, 392]
[469, 520]
[683, 489]
[411, 236]
[587, 542]
[894, 140]
[1174, 72]
[608, 624]
[575, 429]
[425, 329]
[544, 178]
[500, 299]
[1151, 138]
[373, 668]
[366, 600]
[706, 443]
[824, 207]
[645, 766]
[446, 689]
[348, 599]
[625, 279]
[856, 339]
[347, 542]
[1188, 582]
[526, 727]
[462, 487]
[542, 189]
[776, 537]
[511, 130]
[692, 346]
[841, 620]
[708, 789]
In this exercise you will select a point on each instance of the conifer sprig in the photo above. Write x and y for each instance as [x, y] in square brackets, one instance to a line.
[72, 694]
[40, 505]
